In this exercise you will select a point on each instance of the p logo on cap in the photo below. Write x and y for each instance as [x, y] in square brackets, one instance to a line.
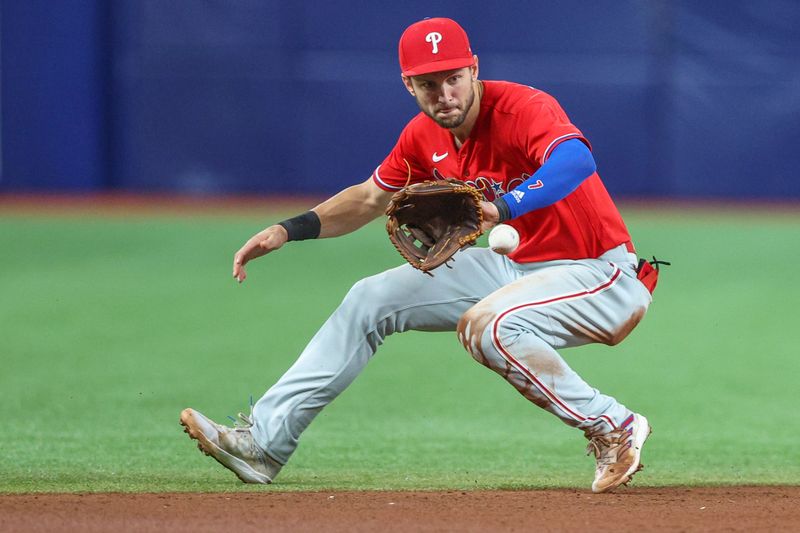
[434, 45]
[434, 37]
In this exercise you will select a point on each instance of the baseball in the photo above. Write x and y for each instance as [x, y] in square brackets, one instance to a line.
[503, 239]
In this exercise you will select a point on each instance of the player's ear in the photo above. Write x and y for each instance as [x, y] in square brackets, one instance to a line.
[474, 68]
[408, 84]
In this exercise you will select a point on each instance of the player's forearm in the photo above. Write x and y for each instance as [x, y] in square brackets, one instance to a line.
[351, 209]
[570, 163]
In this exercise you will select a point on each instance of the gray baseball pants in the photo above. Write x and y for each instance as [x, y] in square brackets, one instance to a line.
[511, 317]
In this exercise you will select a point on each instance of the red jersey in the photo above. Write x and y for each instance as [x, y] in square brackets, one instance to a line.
[516, 130]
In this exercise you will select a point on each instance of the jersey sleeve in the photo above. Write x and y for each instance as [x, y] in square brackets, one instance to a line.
[545, 126]
[400, 167]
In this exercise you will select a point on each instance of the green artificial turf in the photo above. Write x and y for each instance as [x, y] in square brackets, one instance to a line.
[110, 326]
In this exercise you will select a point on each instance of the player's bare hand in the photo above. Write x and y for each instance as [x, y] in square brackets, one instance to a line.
[491, 216]
[261, 243]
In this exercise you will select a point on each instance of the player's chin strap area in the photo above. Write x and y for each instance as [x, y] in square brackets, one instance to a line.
[647, 272]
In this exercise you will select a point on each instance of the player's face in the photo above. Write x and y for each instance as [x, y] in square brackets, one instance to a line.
[446, 96]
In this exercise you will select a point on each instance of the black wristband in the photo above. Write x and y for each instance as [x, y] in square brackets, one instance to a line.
[502, 209]
[302, 227]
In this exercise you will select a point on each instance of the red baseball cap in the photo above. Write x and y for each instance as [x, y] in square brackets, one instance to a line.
[433, 45]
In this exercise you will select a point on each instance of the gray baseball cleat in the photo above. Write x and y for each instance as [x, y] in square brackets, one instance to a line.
[618, 453]
[234, 448]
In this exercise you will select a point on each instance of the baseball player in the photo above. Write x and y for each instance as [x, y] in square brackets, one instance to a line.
[572, 280]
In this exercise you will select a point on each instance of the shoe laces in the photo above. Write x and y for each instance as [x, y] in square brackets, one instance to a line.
[605, 447]
[243, 421]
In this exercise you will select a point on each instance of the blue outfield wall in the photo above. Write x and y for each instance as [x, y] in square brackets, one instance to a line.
[679, 98]
[54, 86]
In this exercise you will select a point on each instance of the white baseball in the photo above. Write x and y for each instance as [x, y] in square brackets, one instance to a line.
[503, 239]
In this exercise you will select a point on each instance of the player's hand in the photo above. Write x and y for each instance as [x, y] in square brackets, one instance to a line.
[491, 216]
[261, 243]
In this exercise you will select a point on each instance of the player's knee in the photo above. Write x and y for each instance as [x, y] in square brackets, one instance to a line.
[379, 289]
[358, 295]
[367, 300]
[472, 328]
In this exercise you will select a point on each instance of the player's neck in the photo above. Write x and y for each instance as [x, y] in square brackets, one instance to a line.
[461, 133]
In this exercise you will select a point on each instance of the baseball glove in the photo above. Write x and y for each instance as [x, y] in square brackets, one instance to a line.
[430, 221]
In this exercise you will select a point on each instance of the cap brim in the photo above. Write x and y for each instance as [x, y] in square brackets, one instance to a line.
[439, 66]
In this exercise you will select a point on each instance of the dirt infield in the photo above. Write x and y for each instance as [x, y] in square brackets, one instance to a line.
[661, 509]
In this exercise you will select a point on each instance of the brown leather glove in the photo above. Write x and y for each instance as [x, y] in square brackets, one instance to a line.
[430, 221]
